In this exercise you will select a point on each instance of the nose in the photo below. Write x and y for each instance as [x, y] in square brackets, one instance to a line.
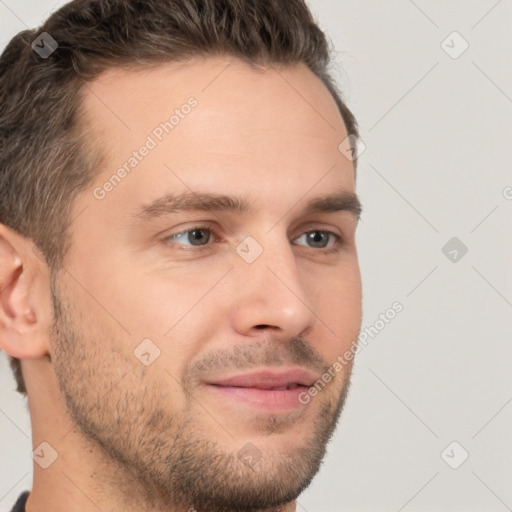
[270, 294]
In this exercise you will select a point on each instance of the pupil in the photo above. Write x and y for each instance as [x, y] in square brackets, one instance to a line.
[198, 235]
[318, 239]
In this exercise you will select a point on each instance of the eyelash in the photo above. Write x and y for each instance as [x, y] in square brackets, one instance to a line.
[336, 247]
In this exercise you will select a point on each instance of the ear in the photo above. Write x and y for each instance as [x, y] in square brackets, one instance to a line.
[25, 298]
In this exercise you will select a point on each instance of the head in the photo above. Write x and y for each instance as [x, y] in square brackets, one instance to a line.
[175, 212]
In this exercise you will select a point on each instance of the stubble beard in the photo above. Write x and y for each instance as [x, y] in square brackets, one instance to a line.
[158, 459]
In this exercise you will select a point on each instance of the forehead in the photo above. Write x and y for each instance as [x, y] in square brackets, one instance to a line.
[210, 122]
[225, 83]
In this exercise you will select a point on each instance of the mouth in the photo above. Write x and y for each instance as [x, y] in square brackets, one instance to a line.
[267, 390]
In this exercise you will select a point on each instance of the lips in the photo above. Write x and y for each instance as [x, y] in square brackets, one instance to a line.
[266, 390]
[270, 380]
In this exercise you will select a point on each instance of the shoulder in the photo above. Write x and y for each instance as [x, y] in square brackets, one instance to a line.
[19, 506]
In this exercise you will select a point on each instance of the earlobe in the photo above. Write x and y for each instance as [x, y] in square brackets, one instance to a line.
[24, 319]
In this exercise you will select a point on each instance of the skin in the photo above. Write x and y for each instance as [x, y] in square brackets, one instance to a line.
[142, 438]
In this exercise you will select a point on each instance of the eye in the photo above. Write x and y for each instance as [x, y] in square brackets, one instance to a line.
[319, 239]
[201, 236]
[196, 236]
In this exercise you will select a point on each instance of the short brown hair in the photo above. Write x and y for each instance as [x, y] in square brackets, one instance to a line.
[45, 153]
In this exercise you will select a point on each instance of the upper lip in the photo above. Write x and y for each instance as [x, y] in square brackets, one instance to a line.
[268, 379]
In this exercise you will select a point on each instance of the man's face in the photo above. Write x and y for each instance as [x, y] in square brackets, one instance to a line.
[163, 298]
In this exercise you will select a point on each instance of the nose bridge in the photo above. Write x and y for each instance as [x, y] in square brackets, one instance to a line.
[272, 293]
[278, 265]
[282, 271]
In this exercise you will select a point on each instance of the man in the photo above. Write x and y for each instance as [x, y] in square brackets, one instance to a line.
[178, 268]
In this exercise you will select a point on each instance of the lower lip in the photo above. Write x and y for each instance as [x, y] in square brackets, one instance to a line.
[264, 399]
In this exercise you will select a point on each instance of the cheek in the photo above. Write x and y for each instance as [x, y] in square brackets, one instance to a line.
[154, 302]
[336, 299]
[175, 309]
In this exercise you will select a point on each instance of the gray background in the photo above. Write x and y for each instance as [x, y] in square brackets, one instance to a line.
[437, 165]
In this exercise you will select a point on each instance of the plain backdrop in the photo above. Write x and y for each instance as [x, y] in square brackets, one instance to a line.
[428, 421]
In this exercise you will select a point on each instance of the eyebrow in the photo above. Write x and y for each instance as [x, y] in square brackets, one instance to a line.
[189, 201]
